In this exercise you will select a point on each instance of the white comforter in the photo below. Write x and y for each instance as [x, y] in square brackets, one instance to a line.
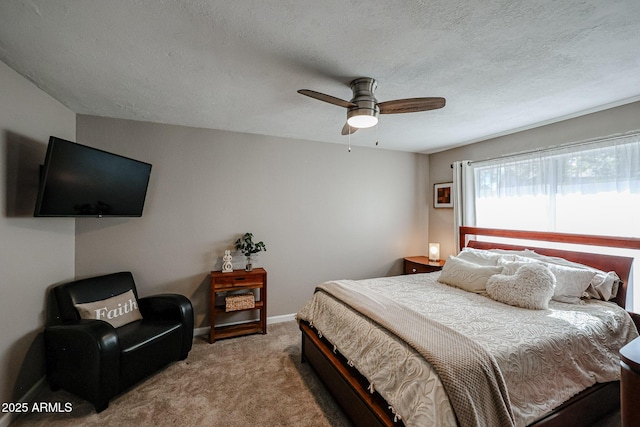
[546, 356]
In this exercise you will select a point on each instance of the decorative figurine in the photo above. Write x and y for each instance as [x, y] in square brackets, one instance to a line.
[227, 267]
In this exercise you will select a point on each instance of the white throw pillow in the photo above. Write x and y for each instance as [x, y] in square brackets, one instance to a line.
[118, 310]
[530, 287]
[466, 275]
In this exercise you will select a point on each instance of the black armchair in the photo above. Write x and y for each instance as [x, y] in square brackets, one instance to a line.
[95, 360]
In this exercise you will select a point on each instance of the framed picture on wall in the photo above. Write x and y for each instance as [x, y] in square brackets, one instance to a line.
[443, 195]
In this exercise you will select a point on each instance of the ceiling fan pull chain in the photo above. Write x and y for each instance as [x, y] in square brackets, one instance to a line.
[349, 138]
[377, 134]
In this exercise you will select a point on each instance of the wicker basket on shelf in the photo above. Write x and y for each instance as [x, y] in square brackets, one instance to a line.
[240, 302]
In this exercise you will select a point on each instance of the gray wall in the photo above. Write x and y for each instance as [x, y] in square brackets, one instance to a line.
[34, 252]
[610, 122]
[323, 213]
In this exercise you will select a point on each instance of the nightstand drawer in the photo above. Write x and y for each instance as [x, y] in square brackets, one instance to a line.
[421, 264]
[248, 280]
[630, 383]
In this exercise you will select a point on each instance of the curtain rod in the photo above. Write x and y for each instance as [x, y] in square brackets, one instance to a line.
[559, 147]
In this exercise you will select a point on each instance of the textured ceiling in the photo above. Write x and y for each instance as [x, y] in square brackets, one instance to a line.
[502, 65]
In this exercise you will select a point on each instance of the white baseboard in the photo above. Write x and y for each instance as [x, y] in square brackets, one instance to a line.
[197, 332]
[270, 320]
[280, 319]
[28, 397]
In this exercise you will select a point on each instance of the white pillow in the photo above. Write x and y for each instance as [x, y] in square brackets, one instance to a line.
[118, 310]
[507, 251]
[467, 275]
[603, 285]
[530, 287]
[571, 283]
[510, 267]
[479, 256]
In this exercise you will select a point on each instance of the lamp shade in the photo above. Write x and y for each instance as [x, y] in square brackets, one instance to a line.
[434, 251]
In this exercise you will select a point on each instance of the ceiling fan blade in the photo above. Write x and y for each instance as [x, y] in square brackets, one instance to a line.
[347, 130]
[327, 98]
[411, 105]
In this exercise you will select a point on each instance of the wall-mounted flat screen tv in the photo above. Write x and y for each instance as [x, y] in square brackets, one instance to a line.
[81, 181]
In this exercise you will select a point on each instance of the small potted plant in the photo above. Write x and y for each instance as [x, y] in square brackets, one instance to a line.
[245, 245]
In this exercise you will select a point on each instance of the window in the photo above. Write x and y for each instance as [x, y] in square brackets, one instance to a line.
[588, 189]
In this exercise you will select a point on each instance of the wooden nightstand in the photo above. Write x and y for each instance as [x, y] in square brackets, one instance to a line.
[238, 280]
[630, 383]
[421, 264]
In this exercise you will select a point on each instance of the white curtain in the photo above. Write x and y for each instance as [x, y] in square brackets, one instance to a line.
[589, 188]
[463, 197]
[592, 189]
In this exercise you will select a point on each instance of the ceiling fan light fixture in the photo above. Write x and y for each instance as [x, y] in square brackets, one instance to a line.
[362, 118]
[363, 108]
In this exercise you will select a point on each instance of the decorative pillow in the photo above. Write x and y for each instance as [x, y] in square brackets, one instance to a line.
[571, 283]
[118, 310]
[467, 275]
[530, 287]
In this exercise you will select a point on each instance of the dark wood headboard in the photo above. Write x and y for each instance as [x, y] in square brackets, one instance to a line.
[620, 264]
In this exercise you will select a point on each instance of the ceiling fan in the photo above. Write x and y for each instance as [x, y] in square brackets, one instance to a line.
[363, 109]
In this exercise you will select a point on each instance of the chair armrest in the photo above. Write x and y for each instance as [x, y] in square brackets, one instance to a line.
[85, 333]
[170, 307]
[166, 307]
[87, 349]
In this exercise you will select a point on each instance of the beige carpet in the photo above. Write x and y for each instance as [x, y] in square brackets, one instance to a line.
[255, 380]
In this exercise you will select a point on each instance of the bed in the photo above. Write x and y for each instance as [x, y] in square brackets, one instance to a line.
[361, 393]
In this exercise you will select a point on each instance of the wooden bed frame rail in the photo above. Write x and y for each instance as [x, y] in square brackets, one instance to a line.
[345, 383]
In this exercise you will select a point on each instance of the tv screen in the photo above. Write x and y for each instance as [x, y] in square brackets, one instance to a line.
[80, 181]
